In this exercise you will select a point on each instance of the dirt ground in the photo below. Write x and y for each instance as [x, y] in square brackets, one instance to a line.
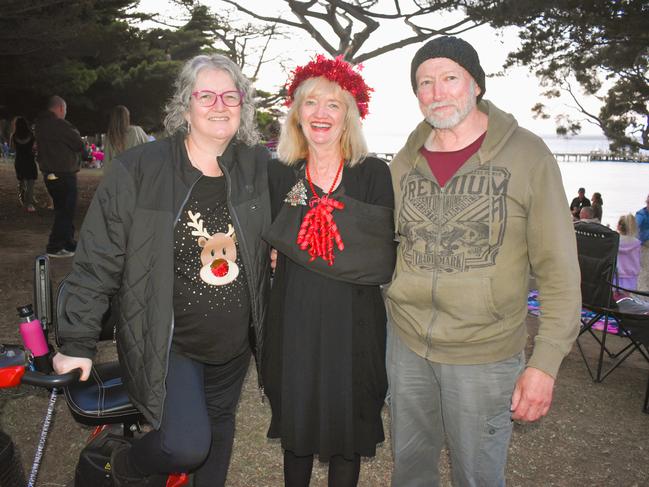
[595, 434]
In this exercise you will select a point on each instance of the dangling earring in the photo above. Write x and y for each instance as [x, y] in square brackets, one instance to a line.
[189, 127]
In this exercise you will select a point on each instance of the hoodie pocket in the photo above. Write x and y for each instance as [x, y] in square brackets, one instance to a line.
[467, 306]
[409, 298]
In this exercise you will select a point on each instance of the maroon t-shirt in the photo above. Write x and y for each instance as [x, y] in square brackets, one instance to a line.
[444, 165]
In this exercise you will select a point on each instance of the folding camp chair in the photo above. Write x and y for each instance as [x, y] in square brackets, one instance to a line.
[633, 318]
[597, 248]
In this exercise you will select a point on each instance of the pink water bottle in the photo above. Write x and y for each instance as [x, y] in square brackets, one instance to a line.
[33, 337]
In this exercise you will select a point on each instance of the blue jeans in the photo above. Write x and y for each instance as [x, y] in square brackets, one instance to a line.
[465, 406]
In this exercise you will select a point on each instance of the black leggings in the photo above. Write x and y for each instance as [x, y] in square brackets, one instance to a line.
[197, 429]
[342, 472]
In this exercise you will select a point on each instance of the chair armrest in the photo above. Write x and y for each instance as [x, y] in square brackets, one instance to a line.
[634, 291]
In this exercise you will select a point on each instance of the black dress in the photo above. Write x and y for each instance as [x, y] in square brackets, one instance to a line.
[323, 367]
[24, 164]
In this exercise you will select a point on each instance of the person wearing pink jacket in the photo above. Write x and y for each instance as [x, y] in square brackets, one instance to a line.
[628, 256]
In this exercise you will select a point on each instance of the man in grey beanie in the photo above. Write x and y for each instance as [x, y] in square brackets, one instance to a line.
[479, 206]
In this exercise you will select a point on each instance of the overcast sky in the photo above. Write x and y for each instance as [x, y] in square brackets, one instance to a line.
[393, 109]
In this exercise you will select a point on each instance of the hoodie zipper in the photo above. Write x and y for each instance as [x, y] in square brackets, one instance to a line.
[435, 273]
[438, 242]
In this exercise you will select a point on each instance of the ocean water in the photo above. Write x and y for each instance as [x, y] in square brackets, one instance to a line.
[624, 185]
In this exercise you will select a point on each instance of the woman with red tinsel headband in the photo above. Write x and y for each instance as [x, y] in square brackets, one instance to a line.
[323, 367]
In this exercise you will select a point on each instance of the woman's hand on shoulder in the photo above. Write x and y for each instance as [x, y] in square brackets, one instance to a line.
[64, 364]
[273, 258]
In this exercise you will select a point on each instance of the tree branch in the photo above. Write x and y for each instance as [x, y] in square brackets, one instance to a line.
[568, 89]
[263, 52]
[262, 17]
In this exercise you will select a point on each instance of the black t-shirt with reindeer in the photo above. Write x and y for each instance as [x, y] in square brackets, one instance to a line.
[211, 301]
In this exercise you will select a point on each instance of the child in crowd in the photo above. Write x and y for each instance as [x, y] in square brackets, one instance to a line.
[628, 257]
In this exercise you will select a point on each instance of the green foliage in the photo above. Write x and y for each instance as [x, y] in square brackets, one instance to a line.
[93, 54]
[602, 44]
[71, 76]
[268, 122]
[90, 53]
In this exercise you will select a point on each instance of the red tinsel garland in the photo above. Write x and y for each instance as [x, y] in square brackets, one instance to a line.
[337, 70]
[318, 231]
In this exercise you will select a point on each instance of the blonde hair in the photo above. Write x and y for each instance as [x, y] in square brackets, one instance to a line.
[293, 146]
[118, 124]
[626, 225]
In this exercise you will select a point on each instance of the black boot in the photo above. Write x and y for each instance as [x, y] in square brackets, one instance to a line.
[124, 475]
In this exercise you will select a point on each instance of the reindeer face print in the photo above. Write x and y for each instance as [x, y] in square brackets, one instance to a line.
[218, 255]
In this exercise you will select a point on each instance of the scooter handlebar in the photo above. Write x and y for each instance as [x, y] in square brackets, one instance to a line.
[48, 381]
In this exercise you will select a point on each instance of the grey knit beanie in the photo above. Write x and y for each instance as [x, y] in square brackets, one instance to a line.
[455, 49]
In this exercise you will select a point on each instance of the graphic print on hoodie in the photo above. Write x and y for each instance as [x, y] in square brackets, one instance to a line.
[458, 227]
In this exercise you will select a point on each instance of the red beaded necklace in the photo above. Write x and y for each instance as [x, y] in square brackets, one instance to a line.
[333, 184]
[318, 230]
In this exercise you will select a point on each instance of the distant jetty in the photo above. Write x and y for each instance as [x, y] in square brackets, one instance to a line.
[599, 157]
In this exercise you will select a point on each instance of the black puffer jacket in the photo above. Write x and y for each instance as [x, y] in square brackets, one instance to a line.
[126, 250]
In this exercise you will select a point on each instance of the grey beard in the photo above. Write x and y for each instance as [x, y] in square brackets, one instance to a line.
[460, 113]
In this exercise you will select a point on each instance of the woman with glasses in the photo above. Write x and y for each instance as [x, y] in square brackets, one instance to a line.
[323, 366]
[173, 235]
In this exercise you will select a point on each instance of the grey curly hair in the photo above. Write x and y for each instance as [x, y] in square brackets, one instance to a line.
[178, 105]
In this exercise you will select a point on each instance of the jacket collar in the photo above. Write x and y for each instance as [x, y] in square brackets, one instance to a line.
[183, 167]
[234, 153]
[237, 161]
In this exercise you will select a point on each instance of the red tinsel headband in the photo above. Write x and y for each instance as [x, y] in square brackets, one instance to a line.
[337, 70]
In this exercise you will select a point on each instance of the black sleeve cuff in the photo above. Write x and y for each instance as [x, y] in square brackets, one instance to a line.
[80, 348]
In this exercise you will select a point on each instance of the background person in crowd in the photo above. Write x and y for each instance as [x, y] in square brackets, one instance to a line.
[59, 147]
[628, 256]
[5, 148]
[479, 206]
[578, 203]
[174, 232]
[324, 363]
[642, 221]
[97, 156]
[596, 204]
[22, 142]
[587, 214]
[121, 135]
[86, 154]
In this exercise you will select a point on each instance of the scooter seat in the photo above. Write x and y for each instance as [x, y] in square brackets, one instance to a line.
[102, 399]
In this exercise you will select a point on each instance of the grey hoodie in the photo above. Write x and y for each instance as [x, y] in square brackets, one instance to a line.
[459, 290]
